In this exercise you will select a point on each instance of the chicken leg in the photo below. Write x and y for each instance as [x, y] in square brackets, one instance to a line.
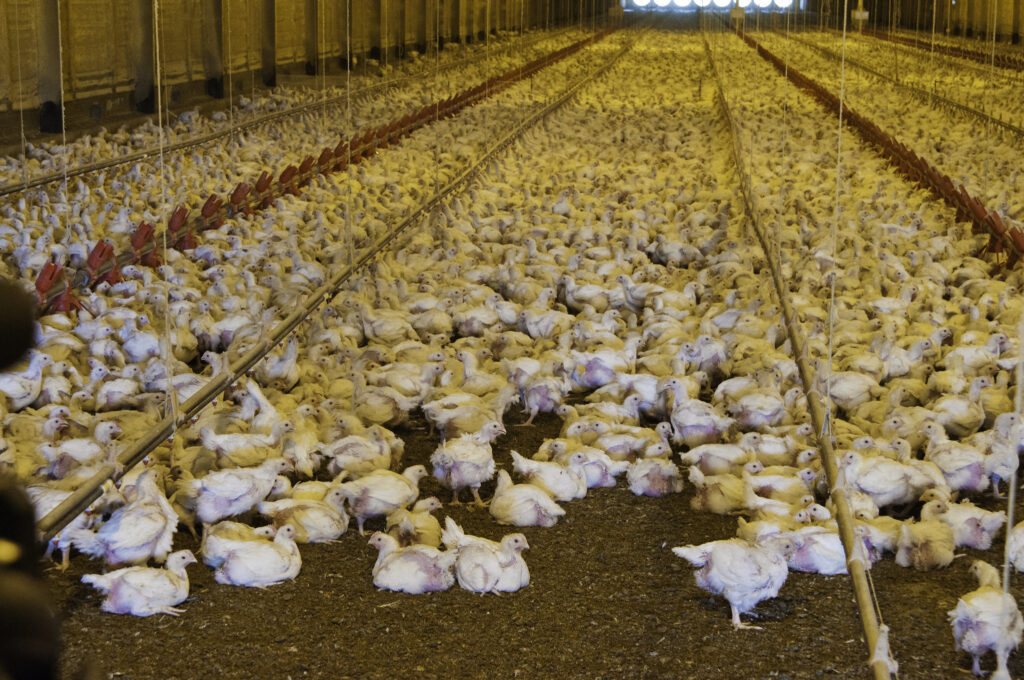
[739, 625]
[479, 502]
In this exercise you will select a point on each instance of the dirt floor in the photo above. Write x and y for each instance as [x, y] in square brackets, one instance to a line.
[607, 599]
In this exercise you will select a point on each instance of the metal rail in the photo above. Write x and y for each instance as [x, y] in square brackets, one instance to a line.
[58, 176]
[934, 96]
[844, 517]
[84, 495]
[1002, 239]
[1001, 60]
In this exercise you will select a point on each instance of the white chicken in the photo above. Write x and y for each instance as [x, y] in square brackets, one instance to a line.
[563, 483]
[222, 537]
[987, 620]
[314, 521]
[135, 532]
[484, 566]
[466, 462]
[416, 525]
[144, 591]
[523, 505]
[382, 492]
[743, 573]
[413, 569]
[231, 492]
[927, 544]
[261, 564]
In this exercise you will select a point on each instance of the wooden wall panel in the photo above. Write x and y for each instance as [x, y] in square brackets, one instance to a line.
[19, 54]
[181, 41]
[87, 34]
[241, 35]
[290, 31]
[329, 28]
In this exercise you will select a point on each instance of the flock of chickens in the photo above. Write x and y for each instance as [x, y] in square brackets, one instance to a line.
[608, 276]
[924, 341]
[988, 167]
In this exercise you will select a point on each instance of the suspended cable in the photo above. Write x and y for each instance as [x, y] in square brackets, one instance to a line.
[321, 46]
[172, 395]
[21, 96]
[66, 207]
[1011, 500]
[348, 131]
[227, 61]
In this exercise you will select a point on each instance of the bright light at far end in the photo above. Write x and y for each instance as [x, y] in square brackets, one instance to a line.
[662, 3]
[702, 3]
[762, 3]
[641, 3]
[744, 4]
[722, 3]
[682, 3]
[783, 4]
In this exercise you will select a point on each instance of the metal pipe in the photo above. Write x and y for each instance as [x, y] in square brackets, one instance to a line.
[844, 518]
[934, 96]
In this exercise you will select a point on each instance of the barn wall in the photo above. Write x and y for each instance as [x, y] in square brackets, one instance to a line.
[19, 55]
[107, 46]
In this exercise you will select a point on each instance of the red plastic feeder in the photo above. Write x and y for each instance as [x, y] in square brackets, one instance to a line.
[213, 217]
[144, 245]
[52, 290]
[180, 235]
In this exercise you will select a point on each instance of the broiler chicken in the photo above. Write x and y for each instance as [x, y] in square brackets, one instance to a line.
[382, 492]
[523, 505]
[466, 462]
[412, 569]
[144, 591]
[485, 566]
[743, 573]
[563, 483]
[987, 620]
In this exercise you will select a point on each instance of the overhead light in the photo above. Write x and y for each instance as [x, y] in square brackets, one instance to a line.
[682, 3]
[641, 3]
[662, 3]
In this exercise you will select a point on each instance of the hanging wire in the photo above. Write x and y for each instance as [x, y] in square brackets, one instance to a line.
[228, 60]
[66, 206]
[321, 46]
[172, 395]
[437, 94]
[785, 136]
[21, 96]
[931, 53]
[1011, 500]
[829, 416]
[252, 70]
[348, 131]
[992, 59]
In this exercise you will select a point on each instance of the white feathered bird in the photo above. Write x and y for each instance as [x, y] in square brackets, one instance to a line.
[987, 620]
[466, 462]
[742, 572]
[523, 505]
[143, 591]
